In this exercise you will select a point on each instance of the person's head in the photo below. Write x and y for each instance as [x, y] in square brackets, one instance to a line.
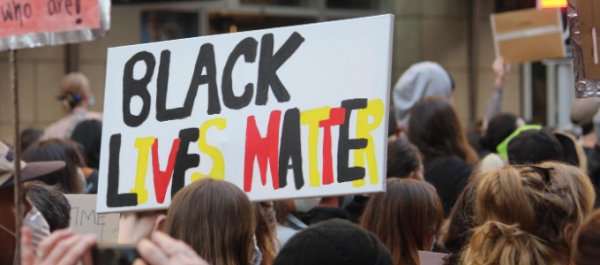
[405, 218]
[266, 231]
[583, 111]
[29, 137]
[403, 160]
[136, 226]
[50, 201]
[436, 130]
[528, 214]
[421, 80]
[461, 222]
[587, 241]
[29, 171]
[334, 242]
[75, 91]
[216, 219]
[88, 134]
[499, 128]
[70, 179]
[533, 147]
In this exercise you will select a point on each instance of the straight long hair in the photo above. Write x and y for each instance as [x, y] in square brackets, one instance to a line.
[435, 128]
[523, 211]
[216, 219]
[404, 218]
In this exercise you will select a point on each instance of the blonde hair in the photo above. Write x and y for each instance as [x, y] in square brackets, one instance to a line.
[523, 212]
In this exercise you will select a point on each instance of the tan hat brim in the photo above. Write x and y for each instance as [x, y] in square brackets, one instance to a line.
[34, 170]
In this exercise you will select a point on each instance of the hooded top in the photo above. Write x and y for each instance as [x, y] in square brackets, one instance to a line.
[421, 80]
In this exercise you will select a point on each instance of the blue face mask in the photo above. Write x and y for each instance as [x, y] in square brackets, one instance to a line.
[257, 255]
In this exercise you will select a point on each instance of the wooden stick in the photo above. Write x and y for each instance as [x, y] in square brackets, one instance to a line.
[17, 160]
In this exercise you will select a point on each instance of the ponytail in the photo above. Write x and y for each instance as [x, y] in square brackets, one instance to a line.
[499, 243]
[523, 212]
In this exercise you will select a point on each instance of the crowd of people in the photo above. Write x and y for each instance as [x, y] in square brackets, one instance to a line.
[504, 192]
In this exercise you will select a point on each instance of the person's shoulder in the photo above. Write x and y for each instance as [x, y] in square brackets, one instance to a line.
[92, 115]
[457, 165]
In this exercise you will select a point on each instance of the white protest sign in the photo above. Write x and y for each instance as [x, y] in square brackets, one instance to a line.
[281, 113]
[86, 220]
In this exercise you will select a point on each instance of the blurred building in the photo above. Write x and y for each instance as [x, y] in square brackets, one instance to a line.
[455, 33]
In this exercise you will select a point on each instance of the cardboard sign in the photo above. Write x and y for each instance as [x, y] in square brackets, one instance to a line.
[431, 258]
[589, 27]
[86, 220]
[528, 35]
[18, 17]
[281, 113]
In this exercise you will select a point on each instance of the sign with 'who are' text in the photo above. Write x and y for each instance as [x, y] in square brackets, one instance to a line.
[281, 113]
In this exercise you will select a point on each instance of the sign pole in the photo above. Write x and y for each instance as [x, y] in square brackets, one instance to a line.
[17, 159]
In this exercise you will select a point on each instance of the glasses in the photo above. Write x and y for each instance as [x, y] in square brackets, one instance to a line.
[544, 172]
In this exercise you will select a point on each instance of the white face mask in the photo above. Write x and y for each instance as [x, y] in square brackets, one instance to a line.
[38, 225]
[257, 255]
[305, 205]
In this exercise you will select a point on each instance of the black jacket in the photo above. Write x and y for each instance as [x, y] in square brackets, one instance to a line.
[449, 175]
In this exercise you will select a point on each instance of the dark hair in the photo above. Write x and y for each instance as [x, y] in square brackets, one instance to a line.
[404, 218]
[88, 133]
[499, 128]
[58, 150]
[51, 203]
[30, 136]
[403, 158]
[461, 221]
[587, 241]
[266, 231]
[434, 127]
[216, 219]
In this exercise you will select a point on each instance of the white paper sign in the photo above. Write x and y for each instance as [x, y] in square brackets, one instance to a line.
[281, 113]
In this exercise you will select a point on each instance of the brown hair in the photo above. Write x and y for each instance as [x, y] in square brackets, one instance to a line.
[216, 219]
[266, 231]
[587, 241]
[435, 128]
[404, 218]
[403, 158]
[523, 212]
[460, 224]
[58, 150]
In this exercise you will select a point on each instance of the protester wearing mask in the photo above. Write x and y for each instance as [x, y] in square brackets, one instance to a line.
[528, 214]
[71, 178]
[29, 171]
[448, 160]
[406, 218]
[76, 97]
[266, 231]
[52, 204]
[217, 220]
[292, 217]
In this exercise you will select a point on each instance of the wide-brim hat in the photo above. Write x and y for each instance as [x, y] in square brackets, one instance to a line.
[29, 171]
